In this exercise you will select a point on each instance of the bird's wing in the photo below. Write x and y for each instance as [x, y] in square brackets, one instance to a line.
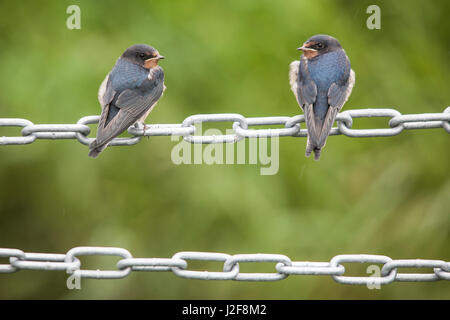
[307, 89]
[105, 92]
[306, 94]
[304, 89]
[293, 77]
[132, 104]
[338, 94]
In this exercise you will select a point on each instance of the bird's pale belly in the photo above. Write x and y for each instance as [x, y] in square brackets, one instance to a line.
[145, 115]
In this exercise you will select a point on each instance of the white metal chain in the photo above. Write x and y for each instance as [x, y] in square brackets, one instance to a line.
[240, 128]
[179, 263]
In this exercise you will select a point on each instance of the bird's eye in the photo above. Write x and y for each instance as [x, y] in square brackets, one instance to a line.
[319, 45]
[142, 55]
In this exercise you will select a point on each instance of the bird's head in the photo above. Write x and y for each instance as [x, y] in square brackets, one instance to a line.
[318, 45]
[142, 55]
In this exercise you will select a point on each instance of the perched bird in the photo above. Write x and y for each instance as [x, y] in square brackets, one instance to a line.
[322, 82]
[128, 94]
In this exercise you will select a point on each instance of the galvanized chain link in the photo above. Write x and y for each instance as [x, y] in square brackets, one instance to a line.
[179, 263]
[240, 128]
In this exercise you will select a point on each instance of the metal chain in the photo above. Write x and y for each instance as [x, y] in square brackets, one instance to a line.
[179, 263]
[240, 128]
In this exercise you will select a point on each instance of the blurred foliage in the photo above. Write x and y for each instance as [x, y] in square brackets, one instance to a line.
[369, 195]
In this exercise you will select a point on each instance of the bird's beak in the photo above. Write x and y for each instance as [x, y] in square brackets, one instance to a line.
[305, 48]
[158, 57]
[153, 62]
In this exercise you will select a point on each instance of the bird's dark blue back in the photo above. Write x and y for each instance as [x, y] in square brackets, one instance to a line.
[124, 75]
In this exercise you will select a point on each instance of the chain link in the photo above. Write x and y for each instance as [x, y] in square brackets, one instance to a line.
[72, 254]
[291, 127]
[178, 264]
[363, 258]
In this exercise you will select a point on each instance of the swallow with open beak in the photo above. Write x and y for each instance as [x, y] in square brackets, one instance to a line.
[128, 94]
[322, 81]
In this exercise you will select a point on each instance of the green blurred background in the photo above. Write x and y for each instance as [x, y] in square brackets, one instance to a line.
[387, 196]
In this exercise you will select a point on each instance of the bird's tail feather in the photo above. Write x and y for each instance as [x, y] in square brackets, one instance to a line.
[95, 149]
[314, 125]
[311, 148]
[326, 126]
[318, 130]
[317, 153]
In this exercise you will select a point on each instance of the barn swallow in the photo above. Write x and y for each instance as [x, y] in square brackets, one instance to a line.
[128, 94]
[322, 81]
